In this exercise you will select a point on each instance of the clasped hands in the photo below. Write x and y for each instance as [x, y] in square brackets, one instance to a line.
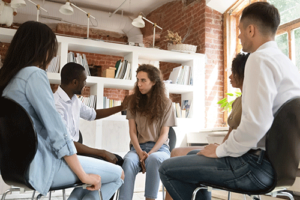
[143, 155]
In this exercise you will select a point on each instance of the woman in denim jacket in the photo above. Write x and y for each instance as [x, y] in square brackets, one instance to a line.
[23, 78]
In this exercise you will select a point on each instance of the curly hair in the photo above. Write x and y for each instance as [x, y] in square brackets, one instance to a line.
[154, 105]
[238, 66]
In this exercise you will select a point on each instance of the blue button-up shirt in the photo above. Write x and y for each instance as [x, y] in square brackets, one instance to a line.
[31, 89]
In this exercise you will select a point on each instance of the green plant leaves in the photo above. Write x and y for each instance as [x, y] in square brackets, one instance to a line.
[227, 106]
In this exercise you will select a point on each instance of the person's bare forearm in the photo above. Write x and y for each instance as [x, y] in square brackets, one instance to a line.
[85, 150]
[102, 113]
[76, 167]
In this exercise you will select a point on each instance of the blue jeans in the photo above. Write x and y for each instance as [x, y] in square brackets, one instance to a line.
[182, 175]
[110, 178]
[131, 168]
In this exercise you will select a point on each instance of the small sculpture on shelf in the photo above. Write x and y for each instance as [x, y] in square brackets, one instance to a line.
[7, 13]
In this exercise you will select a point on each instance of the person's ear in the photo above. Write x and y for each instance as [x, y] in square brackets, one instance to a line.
[74, 82]
[251, 30]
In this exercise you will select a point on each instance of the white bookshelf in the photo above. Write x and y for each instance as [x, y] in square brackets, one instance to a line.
[94, 131]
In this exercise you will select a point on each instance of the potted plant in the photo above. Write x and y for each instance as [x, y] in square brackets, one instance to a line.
[175, 43]
[227, 105]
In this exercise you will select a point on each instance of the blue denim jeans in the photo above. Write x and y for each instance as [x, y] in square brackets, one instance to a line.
[131, 167]
[181, 175]
[110, 178]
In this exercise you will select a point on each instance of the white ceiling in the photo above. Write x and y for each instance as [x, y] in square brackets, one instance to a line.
[130, 7]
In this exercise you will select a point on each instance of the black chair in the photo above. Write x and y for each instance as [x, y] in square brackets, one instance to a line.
[282, 149]
[18, 146]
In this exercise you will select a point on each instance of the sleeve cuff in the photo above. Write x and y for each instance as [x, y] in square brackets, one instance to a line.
[67, 150]
[221, 152]
[94, 114]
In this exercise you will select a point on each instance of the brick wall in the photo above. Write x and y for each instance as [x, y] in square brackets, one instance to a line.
[207, 33]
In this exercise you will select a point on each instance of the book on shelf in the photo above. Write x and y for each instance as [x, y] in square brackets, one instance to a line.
[90, 101]
[54, 65]
[186, 105]
[123, 70]
[79, 59]
[182, 75]
[109, 103]
[184, 110]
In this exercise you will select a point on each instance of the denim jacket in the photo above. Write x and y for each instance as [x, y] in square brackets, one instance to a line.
[31, 89]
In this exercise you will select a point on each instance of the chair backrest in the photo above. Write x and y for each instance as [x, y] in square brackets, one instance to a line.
[172, 138]
[283, 143]
[18, 143]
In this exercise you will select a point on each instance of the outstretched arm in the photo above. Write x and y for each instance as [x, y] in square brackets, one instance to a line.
[85, 150]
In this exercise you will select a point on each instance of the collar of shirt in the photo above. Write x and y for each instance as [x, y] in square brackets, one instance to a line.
[64, 96]
[270, 44]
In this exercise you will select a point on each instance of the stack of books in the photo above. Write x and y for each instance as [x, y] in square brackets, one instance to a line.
[80, 60]
[109, 103]
[182, 75]
[54, 65]
[184, 110]
[123, 70]
[90, 101]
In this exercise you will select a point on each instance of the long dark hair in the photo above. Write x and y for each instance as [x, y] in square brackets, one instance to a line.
[152, 107]
[34, 44]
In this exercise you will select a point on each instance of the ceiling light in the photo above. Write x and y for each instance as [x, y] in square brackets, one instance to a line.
[139, 23]
[66, 9]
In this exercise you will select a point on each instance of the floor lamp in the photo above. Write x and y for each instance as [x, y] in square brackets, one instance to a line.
[139, 23]
[67, 9]
[21, 3]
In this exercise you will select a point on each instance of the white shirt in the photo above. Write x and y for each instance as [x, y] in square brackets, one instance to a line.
[270, 80]
[71, 110]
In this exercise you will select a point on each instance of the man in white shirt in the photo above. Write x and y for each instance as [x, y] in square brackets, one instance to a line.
[73, 80]
[270, 80]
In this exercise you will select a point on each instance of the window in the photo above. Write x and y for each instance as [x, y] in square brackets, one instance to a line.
[289, 9]
[283, 43]
[297, 47]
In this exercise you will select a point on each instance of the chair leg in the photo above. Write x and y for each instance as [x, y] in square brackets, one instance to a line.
[229, 195]
[4, 194]
[33, 195]
[64, 194]
[39, 196]
[50, 195]
[245, 198]
[100, 195]
[286, 194]
[117, 194]
[196, 191]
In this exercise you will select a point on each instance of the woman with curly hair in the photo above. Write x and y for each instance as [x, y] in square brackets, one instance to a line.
[150, 114]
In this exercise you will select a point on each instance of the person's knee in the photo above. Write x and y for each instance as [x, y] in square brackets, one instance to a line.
[176, 152]
[193, 152]
[123, 175]
[154, 159]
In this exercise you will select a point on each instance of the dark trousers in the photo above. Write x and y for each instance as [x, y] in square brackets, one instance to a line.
[182, 175]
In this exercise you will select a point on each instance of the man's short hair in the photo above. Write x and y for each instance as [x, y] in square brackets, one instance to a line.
[70, 72]
[262, 14]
